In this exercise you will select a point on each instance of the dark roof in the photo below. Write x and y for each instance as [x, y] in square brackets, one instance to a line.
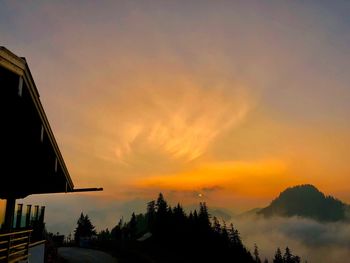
[31, 161]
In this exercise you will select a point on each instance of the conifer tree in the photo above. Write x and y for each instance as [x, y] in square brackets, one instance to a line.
[224, 232]
[278, 256]
[204, 217]
[150, 215]
[216, 225]
[296, 259]
[195, 216]
[287, 257]
[132, 227]
[179, 212]
[161, 217]
[161, 205]
[256, 254]
[234, 235]
[84, 228]
[117, 230]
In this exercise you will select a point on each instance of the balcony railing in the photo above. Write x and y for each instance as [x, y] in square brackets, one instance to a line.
[14, 246]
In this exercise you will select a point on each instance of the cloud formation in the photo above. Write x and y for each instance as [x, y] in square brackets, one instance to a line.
[313, 241]
[181, 120]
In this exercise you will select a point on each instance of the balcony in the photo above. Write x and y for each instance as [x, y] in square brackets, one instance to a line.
[14, 246]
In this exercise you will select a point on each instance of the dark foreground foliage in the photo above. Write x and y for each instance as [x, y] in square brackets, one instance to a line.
[167, 235]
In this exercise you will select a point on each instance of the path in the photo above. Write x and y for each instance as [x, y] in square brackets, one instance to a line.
[85, 255]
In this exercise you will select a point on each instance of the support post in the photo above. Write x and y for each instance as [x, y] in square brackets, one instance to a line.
[36, 213]
[19, 216]
[42, 215]
[9, 214]
[28, 215]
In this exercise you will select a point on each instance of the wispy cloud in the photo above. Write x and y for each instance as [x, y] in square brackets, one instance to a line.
[182, 122]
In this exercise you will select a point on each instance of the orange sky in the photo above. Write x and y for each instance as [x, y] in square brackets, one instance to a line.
[225, 102]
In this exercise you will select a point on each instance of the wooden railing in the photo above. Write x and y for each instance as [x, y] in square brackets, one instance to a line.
[14, 246]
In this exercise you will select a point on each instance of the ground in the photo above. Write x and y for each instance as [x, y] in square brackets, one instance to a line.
[84, 255]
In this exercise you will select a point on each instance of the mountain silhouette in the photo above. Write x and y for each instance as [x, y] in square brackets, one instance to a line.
[306, 201]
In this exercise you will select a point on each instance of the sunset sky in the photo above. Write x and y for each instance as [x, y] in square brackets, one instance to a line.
[227, 102]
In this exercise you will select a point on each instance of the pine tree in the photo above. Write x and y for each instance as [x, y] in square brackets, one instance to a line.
[224, 233]
[216, 225]
[117, 234]
[179, 212]
[278, 256]
[195, 216]
[234, 235]
[150, 215]
[161, 205]
[161, 217]
[104, 235]
[204, 217]
[179, 217]
[288, 257]
[256, 254]
[116, 231]
[84, 228]
[132, 227]
[296, 259]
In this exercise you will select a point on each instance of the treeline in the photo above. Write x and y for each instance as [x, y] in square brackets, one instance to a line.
[167, 234]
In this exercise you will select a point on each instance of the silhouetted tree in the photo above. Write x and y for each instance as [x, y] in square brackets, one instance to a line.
[288, 257]
[132, 227]
[104, 235]
[234, 236]
[224, 233]
[195, 216]
[216, 225]
[151, 215]
[117, 235]
[297, 259]
[161, 205]
[141, 225]
[256, 254]
[161, 216]
[179, 222]
[84, 228]
[278, 256]
[116, 231]
[203, 216]
[104, 238]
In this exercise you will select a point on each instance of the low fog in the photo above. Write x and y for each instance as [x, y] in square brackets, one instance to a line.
[313, 241]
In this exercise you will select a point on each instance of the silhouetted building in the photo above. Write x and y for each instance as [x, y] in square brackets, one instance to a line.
[31, 161]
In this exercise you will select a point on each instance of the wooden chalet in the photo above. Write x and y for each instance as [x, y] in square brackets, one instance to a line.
[31, 160]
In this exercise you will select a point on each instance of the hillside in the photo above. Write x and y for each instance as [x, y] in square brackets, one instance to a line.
[306, 201]
[166, 234]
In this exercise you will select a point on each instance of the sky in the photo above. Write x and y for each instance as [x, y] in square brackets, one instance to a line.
[227, 102]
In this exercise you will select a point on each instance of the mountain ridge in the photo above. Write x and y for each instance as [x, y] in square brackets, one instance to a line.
[306, 201]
